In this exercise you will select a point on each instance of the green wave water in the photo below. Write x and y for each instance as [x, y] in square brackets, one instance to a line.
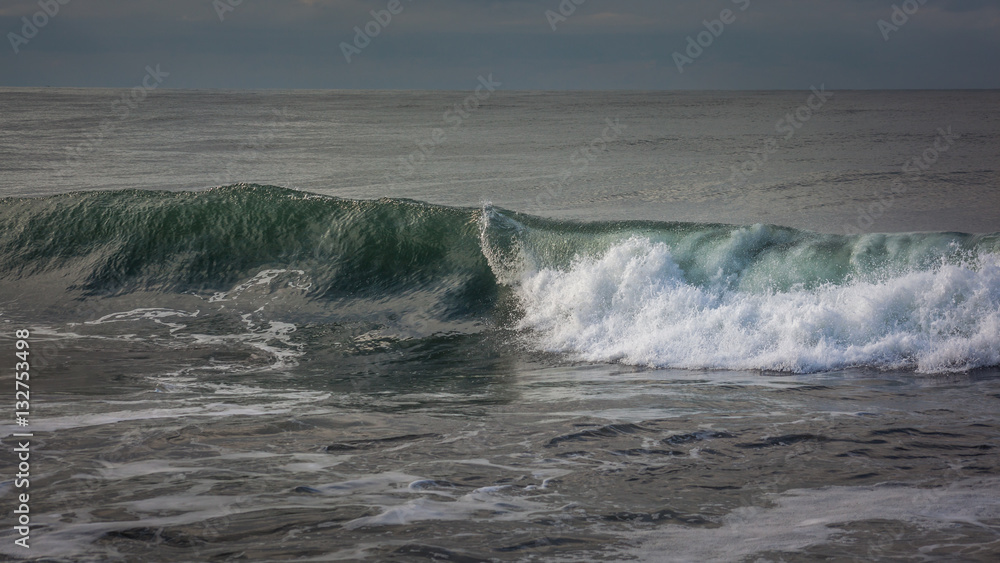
[658, 294]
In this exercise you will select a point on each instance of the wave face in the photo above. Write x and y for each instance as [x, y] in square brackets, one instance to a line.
[652, 294]
[114, 243]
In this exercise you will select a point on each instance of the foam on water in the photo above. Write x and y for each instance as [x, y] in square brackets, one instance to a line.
[215, 405]
[634, 304]
[153, 314]
[809, 517]
[501, 503]
[72, 539]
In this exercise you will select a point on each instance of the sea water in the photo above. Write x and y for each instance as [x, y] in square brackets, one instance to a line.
[568, 326]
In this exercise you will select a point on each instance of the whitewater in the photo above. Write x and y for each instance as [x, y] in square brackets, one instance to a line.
[634, 304]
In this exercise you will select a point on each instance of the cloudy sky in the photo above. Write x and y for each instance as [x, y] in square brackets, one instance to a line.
[445, 44]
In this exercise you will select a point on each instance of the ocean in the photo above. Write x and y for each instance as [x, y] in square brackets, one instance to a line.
[500, 326]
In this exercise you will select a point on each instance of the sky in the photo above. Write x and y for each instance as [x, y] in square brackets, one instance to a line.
[523, 44]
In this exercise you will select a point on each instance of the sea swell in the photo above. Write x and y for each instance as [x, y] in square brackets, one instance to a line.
[682, 295]
[115, 243]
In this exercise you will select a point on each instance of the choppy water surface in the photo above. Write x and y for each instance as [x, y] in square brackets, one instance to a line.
[521, 461]
[245, 371]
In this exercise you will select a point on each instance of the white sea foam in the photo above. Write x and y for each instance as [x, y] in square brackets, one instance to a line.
[268, 402]
[264, 278]
[63, 540]
[154, 314]
[810, 517]
[633, 304]
[500, 503]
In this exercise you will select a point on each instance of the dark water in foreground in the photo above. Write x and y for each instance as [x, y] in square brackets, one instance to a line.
[574, 463]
